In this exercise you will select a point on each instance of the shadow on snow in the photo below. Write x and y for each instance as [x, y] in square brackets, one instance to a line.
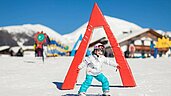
[59, 85]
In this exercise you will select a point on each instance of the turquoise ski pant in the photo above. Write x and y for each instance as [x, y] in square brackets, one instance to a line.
[86, 84]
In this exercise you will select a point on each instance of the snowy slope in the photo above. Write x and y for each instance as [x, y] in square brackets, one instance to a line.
[28, 30]
[31, 29]
[117, 26]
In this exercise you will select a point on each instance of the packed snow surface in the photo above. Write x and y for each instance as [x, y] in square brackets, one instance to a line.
[30, 76]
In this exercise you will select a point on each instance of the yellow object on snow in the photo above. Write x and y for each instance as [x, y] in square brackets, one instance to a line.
[163, 43]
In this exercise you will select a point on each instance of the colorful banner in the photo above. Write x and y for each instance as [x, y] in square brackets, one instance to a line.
[56, 48]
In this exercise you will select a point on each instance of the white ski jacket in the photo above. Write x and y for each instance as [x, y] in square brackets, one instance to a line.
[94, 64]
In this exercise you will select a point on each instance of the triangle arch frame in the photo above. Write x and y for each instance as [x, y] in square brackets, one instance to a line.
[96, 20]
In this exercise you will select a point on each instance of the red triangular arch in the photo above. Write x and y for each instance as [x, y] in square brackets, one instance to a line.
[97, 19]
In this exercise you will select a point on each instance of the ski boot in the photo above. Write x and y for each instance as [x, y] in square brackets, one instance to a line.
[82, 94]
[106, 93]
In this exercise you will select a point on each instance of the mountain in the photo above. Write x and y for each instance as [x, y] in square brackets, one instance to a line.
[117, 26]
[23, 34]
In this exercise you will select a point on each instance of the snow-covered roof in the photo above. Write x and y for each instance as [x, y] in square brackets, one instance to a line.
[15, 49]
[4, 47]
[122, 37]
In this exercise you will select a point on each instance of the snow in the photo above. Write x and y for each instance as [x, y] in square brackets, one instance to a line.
[29, 76]
[117, 26]
[122, 38]
[169, 34]
[164, 33]
[160, 32]
[4, 47]
[31, 29]
[15, 49]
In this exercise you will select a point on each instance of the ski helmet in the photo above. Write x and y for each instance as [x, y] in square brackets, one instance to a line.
[99, 46]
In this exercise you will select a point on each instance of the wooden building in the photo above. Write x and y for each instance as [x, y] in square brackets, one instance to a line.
[143, 41]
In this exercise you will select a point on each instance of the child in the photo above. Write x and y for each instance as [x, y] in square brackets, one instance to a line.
[94, 69]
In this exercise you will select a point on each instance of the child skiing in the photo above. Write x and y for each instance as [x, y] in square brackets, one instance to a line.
[94, 69]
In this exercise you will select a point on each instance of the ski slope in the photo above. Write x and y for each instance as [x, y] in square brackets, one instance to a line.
[29, 76]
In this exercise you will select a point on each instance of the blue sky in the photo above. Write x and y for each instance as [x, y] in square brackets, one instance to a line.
[65, 16]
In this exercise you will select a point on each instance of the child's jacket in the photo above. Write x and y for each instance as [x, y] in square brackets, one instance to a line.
[94, 64]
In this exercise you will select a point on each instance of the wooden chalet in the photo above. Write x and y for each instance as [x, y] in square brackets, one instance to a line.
[142, 40]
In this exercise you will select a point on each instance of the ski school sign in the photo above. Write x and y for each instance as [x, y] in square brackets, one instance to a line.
[40, 38]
